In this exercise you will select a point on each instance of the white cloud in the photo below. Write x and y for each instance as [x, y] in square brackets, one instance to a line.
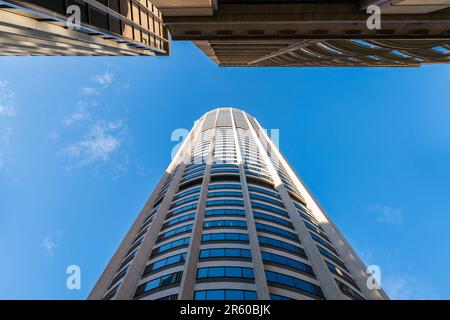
[49, 245]
[103, 140]
[7, 111]
[53, 136]
[7, 108]
[407, 287]
[5, 137]
[89, 91]
[79, 115]
[104, 79]
[386, 214]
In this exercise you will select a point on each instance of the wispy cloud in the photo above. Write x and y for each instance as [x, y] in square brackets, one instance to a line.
[8, 111]
[49, 245]
[5, 137]
[99, 140]
[400, 281]
[99, 144]
[7, 108]
[53, 136]
[386, 214]
[89, 91]
[403, 286]
[104, 79]
[79, 115]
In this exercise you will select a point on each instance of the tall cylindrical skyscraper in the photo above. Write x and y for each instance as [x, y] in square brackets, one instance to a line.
[231, 220]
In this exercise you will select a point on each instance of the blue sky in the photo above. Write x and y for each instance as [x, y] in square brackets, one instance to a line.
[77, 157]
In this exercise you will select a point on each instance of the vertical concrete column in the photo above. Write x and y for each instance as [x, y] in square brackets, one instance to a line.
[260, 277]
[189, 273]
[328, 285]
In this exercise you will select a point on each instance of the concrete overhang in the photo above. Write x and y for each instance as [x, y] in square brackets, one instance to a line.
[407, 6]
[186, 7]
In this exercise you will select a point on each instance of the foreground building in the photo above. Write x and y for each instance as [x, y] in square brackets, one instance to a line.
[108, 27]
[298, 33]
[230, 219]
[305, 33]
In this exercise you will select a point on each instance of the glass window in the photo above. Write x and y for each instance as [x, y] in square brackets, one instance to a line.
[224, 186]
[275, 230]
[235, 295]
[159, 282]
[216, 272]
[225, 212]
[295, 283]
[200, 295]
[216, 295]
[202, 273]
[225, 237]
[225, 272]
[225, 294]
[212, 203]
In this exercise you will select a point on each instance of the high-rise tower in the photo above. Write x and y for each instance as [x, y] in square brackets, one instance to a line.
[230, 219]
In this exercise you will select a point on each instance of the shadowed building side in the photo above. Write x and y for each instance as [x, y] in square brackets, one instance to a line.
[230, 219]
[108, 27]
[299, 33]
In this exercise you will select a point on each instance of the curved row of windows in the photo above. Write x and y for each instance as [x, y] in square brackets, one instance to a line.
[153, 285]
[258, 205]
[182, 209]
[263, 191]
[317, 230]
[333, 258]
[225, 237]
[193, 170]
[170, 261]
[171, 246]
[224, 165]
[278, 297]
[215, 171]
[349, 292]
[278, 244]
[225, 272]
[275, 278]
[266, 199]
[225, 224]
[183, 201]
[213, 203]
[268, 217]
[341, 274]
[225, 294]
[225, 253]
[275, 230]
[174, 232]
[224, 186]
[225, 194]
[250, 173]
[323, 242]
[192, 176]
[178, 220]
[287, 262]
[225, 212]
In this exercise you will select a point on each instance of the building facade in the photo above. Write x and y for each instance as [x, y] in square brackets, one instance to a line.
[230, 219]
[106, 28]
[251, 33]
[305, 33]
